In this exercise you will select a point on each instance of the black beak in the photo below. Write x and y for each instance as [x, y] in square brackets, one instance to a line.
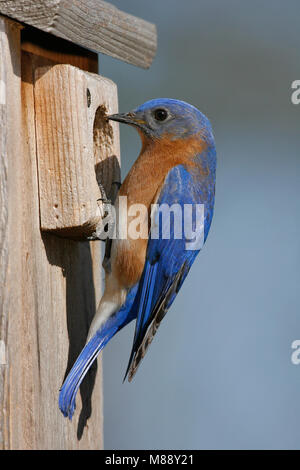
[127, 118]
[122, 117]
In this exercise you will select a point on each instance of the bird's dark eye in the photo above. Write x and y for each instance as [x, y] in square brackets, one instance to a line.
[160, 114]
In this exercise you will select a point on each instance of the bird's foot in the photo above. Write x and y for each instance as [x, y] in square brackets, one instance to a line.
[106, 224]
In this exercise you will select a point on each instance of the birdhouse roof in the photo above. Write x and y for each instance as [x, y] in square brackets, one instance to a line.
[94, 24]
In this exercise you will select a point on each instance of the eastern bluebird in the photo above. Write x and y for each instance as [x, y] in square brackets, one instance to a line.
[176, 166]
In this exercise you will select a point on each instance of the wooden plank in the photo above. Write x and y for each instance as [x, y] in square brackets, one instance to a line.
[3, 233]
[71, 108]
[10, 126]
[64, 289]
[49, 286]
[94, 24]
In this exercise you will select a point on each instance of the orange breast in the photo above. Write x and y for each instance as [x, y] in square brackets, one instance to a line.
[141, 186]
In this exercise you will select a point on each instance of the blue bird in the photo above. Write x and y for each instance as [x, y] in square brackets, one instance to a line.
[176, 169]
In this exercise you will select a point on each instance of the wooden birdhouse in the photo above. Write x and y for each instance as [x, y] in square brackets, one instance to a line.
[56, 148]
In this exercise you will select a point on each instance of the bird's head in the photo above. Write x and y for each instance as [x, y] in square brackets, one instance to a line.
[167, 118]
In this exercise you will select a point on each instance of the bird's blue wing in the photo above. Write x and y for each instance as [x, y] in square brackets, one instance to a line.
[168, 260]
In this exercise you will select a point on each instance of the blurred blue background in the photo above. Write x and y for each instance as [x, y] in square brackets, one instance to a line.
[218, 374]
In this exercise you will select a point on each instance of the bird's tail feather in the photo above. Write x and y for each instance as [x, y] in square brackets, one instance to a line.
[84, 361]
[91, 350]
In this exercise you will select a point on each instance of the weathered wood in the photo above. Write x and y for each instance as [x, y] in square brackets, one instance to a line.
[94, 24]
[10, 127]
[71, 108]
[49, 288]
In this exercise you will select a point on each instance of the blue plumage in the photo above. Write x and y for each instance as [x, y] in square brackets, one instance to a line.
[166, 258]
[91, 350]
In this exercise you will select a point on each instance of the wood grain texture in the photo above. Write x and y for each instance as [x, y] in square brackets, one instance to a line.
[10, 126]
[50, 286]
[74, 140]
[94, 24]
[3, 230]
